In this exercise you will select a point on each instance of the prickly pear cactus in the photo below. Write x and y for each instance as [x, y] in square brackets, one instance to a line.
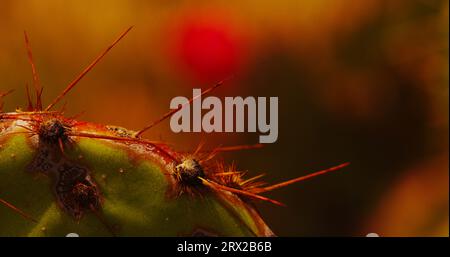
[59, 175]
[97, 187]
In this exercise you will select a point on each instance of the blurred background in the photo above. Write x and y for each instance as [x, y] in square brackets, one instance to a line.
[358, 81]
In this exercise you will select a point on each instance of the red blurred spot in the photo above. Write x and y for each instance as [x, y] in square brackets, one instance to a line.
[209, 49]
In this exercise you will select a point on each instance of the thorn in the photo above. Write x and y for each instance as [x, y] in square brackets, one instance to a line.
[215, 185]
[229, 173]
[63, 108]
[238, 148]
[87, 69]
[30, 103]
[199, 147]
[209, 156]
[125, 139]
[61, 147]
[17, 210]
[39, 99]
[3, 95]
[6, 93]
[172, 112]
[24, 127]
[253, 179]
[302, 178]
[36, 83]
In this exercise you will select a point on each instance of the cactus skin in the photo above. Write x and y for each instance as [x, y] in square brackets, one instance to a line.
[138, 194]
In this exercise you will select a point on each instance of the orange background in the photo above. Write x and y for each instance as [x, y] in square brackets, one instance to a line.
[359, 81]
